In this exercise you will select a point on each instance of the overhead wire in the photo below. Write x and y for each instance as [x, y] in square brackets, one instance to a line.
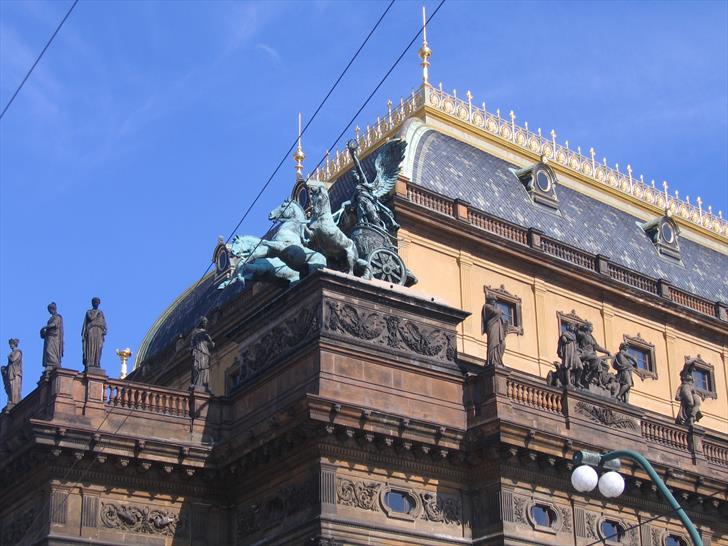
[348, 125]
[37, 60]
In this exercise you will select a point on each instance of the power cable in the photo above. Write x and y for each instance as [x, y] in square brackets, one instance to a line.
[37, 60]
[348, 125]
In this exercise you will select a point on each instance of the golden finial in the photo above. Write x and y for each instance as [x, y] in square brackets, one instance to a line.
[299, 156]
[425, 52]
[123, 355]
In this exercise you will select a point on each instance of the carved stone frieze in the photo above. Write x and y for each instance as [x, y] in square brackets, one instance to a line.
[274, 510]
[358, 494]
[279, 341]
[140, 519]
[16, 529]
[519, 509]
[390, 331]
[565, 518]
[441, 509]
[606, 416]
[591, 525]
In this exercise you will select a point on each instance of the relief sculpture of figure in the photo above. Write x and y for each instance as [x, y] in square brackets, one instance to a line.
[13, 373]
[571, 366]
[92, 335]
[52, 335]
[202, 346]
[623, 363]
[688, 397]
[494, 327]
[588, 347]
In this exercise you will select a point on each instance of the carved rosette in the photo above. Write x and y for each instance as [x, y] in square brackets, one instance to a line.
[392, 332]
[139, 519]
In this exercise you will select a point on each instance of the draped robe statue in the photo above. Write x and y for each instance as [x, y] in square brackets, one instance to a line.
[688, 396]
[13, 373]
[567, 351]
[52, 334]
[623, 363]
[495, 332]
[92, 335]
[202, 346]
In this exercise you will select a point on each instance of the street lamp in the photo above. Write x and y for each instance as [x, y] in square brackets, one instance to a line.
[584, 478]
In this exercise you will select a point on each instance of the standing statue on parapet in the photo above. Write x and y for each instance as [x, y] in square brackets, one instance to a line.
[495, 330]
[624, 363]
[202, 346]
[93, 334]
[13, 373]
[688, 396]
[52, 335]
[571, 367]
[588, 347]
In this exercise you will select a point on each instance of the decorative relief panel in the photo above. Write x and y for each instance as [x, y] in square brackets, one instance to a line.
[390, 331]
[429, 506]
[359, 494]
[286, 502]
[278, 342]
[441, 509]
[606, 416]
[140, 519]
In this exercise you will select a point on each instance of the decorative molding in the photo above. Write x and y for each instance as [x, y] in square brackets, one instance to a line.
[707, 368]
[571, 317]
[505, 296]
[390, 331]
[140, 519]
[279, 341]
[59, 505]
[505, 130]
[606, 416]
[274, 510]
[519, 509]
[591, 525]
[358, 494]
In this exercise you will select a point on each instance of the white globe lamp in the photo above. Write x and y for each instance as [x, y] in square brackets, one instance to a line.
[611, 484]
[584, 478]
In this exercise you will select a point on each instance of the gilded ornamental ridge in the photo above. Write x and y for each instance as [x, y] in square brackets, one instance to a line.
[506, 129]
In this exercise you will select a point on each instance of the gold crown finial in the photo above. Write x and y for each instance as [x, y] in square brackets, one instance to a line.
[425, 52]
[298, 155]
[123, 355]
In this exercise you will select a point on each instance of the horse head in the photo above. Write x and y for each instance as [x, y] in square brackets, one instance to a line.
[319, 197]
[288, 210]
[243, 245]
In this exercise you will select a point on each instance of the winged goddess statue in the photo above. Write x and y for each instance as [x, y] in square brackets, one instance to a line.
[366, 204]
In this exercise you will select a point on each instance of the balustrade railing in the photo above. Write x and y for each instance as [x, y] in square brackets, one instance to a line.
[430, 200]
[568, 253]
[140, 397]
[665, 435]
[691, 301]
[498, 227]
[632, 278]
[535, 397]
[715, 453]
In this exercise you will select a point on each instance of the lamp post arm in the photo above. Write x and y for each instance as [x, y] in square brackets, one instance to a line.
[647, 467]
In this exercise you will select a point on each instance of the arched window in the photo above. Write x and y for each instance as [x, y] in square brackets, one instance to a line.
[612, 530]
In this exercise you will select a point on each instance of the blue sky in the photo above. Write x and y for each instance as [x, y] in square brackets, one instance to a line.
[148, 127]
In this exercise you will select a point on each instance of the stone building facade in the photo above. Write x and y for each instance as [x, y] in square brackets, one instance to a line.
[360, 412]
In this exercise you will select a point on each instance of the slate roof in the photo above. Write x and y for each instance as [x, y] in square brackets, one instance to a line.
[457, 170]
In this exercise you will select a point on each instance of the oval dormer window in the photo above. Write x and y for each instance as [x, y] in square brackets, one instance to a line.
[668, 234]
[543, 180]
[302, 197]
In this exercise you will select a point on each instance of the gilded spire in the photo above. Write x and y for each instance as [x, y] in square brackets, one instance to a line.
[123, 355]
[299, 156]
[425, 52]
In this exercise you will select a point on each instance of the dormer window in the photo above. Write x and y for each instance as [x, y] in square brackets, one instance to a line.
[540, 183]
[663, 232]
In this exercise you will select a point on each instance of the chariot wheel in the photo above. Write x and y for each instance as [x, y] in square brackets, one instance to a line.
[387, 266]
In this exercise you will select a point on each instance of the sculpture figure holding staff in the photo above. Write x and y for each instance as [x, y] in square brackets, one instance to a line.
[92, 335]
[494, 327]
[52, 335]
[202, 346]
[13, 373]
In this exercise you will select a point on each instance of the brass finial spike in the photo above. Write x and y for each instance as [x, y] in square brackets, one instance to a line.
[553, 133]
[539, 131]
[469, 95]
[299, 156]
[425, 52]
[123, 355]
[525, 125]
